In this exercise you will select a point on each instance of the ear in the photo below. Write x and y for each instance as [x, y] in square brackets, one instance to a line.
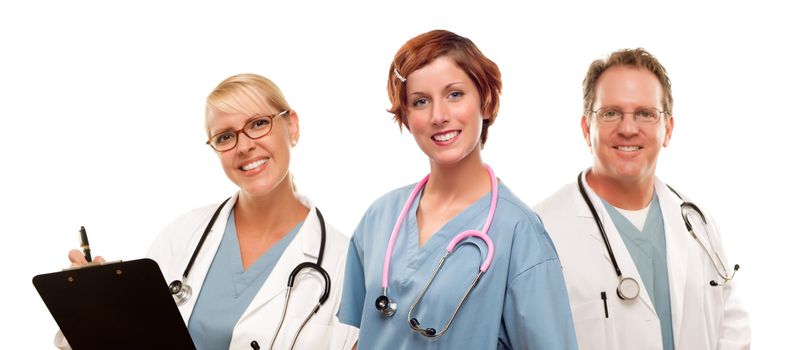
[585, 125]
[669, 128]
[294, 127]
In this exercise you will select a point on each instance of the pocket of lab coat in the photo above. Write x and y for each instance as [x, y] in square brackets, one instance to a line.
[312, 336]
[594, 330]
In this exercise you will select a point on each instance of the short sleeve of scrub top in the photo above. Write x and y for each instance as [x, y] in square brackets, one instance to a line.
[520, 303]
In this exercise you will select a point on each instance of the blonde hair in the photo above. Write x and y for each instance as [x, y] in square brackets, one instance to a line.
[247, 93]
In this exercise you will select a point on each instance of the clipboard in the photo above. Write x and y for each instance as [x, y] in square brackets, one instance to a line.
[119, 305]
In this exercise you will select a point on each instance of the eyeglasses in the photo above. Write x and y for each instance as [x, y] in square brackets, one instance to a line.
[643, 116]
[255, 128]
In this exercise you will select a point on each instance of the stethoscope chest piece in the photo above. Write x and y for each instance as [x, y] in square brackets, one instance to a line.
[386, 306]
[181, 292]
[628, 288]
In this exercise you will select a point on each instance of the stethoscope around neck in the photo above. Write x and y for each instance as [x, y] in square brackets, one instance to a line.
[182, 292]
[388, 307]
[629, 288]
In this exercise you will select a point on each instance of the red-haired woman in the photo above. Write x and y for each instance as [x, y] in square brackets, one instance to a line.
[455, 261]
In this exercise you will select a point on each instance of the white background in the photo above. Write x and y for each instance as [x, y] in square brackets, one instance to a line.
[101, 108]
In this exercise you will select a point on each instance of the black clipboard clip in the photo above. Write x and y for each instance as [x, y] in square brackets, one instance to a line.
[91, 264]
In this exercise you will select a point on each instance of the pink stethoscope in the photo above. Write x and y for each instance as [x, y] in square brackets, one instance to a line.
[388, 306]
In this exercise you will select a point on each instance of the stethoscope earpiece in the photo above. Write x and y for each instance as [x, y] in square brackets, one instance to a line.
[428, 332]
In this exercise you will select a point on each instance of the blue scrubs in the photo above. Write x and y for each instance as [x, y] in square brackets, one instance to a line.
[520, 303]
[228, 289]
[648, 250]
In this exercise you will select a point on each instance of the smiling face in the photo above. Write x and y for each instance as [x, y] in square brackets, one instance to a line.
[444, 113]
[258, 166]
[626, 151]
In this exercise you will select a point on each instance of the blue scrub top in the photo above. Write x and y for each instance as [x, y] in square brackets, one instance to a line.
[520, 303]
[228, 289]
[648, 250]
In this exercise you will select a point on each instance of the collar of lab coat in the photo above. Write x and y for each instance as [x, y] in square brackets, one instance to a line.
[676, 245]
[304, 247]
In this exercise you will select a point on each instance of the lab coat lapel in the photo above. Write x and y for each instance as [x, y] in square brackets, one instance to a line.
[623, 257]
[206, 255]
[677, 240]
[304, 247]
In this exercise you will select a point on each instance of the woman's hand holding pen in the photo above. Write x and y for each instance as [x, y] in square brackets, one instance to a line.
[81, 258]
[77, 258]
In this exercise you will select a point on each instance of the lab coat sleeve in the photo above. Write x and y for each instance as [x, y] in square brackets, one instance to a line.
[735, 331]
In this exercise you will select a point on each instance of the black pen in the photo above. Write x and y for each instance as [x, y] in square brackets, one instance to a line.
[605, 301]
[84, 244]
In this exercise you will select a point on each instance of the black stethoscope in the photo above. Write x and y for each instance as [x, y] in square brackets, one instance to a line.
[182, 292]
[629, 288]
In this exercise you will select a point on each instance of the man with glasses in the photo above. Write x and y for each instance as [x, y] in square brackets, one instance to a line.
[644, 268]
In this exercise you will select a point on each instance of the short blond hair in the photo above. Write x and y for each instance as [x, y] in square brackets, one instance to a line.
[247, 93]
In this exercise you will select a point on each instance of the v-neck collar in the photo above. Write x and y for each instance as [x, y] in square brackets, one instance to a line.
[243, 279]
[410, 256]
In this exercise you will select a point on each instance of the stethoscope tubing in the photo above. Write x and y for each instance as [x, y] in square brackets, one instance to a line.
[301, 266]
[388, 307]
[202, 239]
[599, 225]
[457, 239]
[183, 290]
[416, 326]
[322, 299]
[397, 225]
[628, 288]
[722, 270]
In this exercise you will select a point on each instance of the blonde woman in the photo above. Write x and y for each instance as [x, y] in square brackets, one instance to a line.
[230, 263]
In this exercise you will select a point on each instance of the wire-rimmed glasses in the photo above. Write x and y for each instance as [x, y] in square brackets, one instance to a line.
[643, 116]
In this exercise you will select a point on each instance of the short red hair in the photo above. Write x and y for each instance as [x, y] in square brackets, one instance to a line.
[424, 49]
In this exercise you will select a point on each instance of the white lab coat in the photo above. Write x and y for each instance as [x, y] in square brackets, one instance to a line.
[176, 243]
[703, 317]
